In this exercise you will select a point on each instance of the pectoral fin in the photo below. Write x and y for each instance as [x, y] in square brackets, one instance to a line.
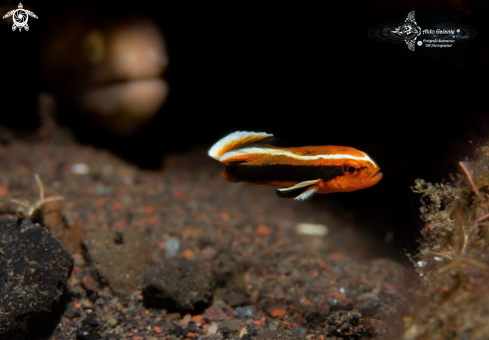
[228, 176]
[301, 191]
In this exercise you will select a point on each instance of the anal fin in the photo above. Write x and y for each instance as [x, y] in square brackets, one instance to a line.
[301, 191]
[308, 193]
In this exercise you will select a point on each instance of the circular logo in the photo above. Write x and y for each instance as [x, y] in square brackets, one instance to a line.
[20, 18]
[420, 43]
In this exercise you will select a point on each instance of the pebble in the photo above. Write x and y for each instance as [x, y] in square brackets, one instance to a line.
[213, 314]
[272, 326]
[244, 312]
[345, 327]
[80, 169]
[87, 333]
[178, 285]
[79, 260]
[119, 261]
[242, 332]
[229, 327]
[299, 331]
[312, 229]
[212, 330]
[172, 245]
[285, 267]
[91, 320]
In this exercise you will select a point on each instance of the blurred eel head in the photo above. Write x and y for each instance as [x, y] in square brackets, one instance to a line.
[108, 66]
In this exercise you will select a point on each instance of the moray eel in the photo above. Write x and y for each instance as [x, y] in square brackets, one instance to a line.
[106, 65]
[301, 171]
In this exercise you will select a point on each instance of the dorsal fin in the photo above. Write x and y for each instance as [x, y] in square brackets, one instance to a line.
[234, 141]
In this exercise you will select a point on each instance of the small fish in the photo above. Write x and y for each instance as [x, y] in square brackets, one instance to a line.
[301, 171]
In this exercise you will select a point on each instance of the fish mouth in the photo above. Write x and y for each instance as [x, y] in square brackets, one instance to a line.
[118, 89]
[376, 175]
[124, 105]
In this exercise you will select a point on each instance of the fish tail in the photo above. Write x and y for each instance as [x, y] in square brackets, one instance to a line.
[235, 141]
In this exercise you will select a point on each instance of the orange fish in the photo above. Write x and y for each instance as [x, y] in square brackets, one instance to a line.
[301, 171]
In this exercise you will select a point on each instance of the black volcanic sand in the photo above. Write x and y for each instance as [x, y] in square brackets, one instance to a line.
[182, 253]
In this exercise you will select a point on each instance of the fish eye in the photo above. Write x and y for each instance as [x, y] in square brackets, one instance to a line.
[350, 168]
[93, 47]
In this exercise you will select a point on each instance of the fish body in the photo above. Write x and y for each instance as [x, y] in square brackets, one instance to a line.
[300, 171]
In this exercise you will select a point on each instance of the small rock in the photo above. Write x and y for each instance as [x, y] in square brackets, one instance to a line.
[172, 245]
[178, 331]
[242, 332]
[213, 314]
[277, 312]
[345, 327]
[244, 312]
[110, 321]
[272, 326]
[86, 304]
[311, 229]
[121, 266]
[69, 234]
[233, 296]
[89, 283]
[212, 329]
[229, 327]
[346, 323]
[91, 320]
[34, 268]
[192, 327]
[110, 335]
[118, 237]
[72, 312]
[170, 317]
[208, 253]
[299, 331]
[185, 320]
[368, 296]
[79, 260]
[178, 284]
[285, 267]
[87, 333]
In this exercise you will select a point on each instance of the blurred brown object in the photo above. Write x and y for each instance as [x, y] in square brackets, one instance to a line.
[467, 7]
[46, 110]
[107, 66]
[69, 234]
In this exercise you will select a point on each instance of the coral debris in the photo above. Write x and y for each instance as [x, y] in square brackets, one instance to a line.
[452, 262]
